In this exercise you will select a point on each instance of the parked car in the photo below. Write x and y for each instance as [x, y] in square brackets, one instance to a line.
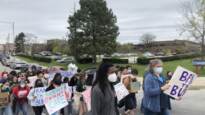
[19, 65]
[91, 75]
[55, 57]
[5, 62]
[3, 56]
[90, 70]
[66, 60]
[45, 53]
[35, 67]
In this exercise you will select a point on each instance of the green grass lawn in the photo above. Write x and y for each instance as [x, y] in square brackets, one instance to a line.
[172, 65]
[54, 63]
[168, 66]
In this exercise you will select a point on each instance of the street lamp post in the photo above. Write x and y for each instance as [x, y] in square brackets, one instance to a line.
[13, 31]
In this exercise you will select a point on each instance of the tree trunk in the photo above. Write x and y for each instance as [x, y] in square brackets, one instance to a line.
[94, 59]
[202, 48]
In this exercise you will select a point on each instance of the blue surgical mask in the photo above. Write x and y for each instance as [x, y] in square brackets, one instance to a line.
[158, 70]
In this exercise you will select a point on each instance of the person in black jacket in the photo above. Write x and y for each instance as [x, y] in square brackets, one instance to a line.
[56, 82]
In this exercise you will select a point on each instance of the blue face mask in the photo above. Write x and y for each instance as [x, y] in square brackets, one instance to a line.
[158, 70]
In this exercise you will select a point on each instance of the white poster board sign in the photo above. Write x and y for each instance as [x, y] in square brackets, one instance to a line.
[55, 100]
[32, 81]
[121, 91]
[180, 82]
[38, 93]
[68, 91]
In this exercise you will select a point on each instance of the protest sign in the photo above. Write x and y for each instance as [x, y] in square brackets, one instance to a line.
[55, 100]
[180, 82]
[38, 94]
[87, 98]
[67, 74]
[51, 76]
[121, 91]
[135, 86]
[64, 74]
[32, 81]
[68, 91]
[4, 99]
[73, 68]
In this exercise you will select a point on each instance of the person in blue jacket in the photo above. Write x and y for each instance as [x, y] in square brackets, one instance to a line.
[155, 102]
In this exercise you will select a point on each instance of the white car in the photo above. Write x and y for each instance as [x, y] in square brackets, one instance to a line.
[19, 65]
[66, 60]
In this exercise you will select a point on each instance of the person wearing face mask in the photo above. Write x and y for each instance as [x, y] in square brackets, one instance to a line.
[40, 75]
[169, 75]
[56, 82]
[129, 69]
[20, 94]
[130, 101]
[6, 109]
[103, 94]
[4, 78]
[155, 102]
[38, 109]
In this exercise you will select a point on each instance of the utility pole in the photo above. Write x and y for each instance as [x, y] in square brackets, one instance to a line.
[13, 33]
[7, 47]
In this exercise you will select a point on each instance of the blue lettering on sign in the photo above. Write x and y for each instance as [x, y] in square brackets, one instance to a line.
[174, 90]
[190, 80]
[184, 76]
[183, 90]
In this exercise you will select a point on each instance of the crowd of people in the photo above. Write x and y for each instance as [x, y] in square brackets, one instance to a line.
[103, 95]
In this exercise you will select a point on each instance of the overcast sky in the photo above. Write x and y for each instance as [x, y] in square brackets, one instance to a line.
[47, 19]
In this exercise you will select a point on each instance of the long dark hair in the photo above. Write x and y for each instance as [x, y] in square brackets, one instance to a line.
[57, 79]
[36, 83]
[102, 77]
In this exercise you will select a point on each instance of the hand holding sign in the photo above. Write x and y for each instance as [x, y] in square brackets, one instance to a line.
[165, 87]
[121, 91]
[180, 82]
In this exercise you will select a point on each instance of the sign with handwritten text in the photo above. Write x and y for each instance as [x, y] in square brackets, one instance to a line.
[180, 82]
[55, 100]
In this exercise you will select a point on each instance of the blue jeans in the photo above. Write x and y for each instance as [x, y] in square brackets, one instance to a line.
[70, 108]
[163, 112]
[56, 113]
[21, 108]
[6, 110]
[148, 112]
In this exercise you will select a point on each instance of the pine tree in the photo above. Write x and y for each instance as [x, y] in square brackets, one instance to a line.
[20, 43]
[93, 29]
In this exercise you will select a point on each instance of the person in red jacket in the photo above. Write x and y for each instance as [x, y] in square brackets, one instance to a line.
[20, 94]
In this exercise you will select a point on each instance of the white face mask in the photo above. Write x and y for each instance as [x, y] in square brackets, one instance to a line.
[22, 85]
[112, 78]
[129, 71]
[158, 70]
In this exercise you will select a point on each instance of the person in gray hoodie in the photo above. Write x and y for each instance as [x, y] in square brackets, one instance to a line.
[103, 100]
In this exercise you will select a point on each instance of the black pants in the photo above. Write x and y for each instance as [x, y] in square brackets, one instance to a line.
[38, 110]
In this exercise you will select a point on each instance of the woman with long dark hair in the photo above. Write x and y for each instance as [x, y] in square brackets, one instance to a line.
[103, 94]
[38, 109]
[56, 82]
